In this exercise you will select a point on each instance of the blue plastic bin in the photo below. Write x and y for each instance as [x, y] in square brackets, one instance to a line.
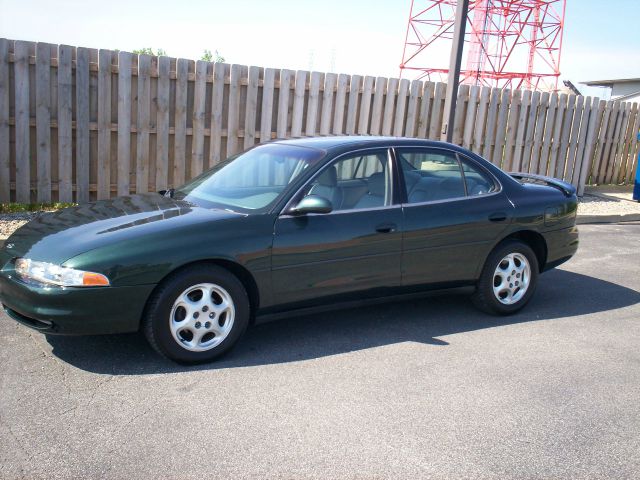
[636, 186]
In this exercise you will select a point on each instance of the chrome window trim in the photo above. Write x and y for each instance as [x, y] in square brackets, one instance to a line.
[390, 164]
[338, 212]
[453, 199]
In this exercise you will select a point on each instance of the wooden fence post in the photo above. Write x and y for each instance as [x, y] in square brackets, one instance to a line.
[595, 120]
[23, 141]
[5, 100]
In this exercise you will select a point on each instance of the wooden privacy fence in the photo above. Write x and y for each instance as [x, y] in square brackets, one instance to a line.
[78, 123]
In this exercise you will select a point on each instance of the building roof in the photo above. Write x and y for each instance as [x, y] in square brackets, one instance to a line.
[609, 83]
[629, 96]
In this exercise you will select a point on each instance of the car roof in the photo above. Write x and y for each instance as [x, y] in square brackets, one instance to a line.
[355, 141]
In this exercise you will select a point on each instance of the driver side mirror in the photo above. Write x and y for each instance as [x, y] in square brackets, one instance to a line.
[312, 204]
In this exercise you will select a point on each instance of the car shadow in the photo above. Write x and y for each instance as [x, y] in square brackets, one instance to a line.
[427, 320]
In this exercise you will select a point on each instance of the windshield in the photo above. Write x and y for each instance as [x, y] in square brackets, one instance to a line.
[250, 181]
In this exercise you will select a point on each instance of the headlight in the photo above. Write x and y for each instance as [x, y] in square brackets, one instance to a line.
[56, 275]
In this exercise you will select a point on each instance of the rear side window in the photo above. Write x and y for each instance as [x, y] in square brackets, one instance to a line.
[478, 182]
[436, 175]
[431, 175]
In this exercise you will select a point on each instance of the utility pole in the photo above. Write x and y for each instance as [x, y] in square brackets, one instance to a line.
[462, 8]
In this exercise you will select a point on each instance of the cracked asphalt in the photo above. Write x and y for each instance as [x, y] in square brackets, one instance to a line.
[422, 389]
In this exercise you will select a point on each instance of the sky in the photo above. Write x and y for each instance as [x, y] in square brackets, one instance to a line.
[345, 36]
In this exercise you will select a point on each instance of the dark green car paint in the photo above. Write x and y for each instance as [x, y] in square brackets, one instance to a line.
[322, 255]
[285, 260]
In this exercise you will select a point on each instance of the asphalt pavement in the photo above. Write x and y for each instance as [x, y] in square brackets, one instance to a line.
[429, 388]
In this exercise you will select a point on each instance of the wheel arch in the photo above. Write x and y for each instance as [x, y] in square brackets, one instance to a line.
[241, 273]
[535, 241]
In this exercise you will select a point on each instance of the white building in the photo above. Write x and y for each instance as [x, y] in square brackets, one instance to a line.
[623, 89]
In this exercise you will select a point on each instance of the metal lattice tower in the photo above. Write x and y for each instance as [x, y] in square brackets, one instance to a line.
[508, 44]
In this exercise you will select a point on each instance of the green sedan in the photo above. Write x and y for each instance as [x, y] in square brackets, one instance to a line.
[291, 225]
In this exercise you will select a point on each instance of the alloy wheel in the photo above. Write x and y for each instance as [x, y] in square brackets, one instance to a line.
[511, 278]
[202, 317]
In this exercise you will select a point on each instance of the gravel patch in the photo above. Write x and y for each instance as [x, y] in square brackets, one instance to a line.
[600, 205]
[10, 222]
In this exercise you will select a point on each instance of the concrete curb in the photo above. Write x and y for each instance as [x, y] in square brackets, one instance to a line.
[590, 219]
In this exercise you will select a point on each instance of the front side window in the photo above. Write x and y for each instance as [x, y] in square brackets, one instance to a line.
[355, 182]
[250, 181]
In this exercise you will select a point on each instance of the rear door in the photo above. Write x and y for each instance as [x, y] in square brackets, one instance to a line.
[354, 248]
[454, 211]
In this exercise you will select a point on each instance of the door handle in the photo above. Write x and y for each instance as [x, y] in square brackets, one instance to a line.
[498, 217]
[386, 228]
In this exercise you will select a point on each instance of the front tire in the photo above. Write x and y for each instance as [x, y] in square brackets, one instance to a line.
[197, 314]
[508, 279]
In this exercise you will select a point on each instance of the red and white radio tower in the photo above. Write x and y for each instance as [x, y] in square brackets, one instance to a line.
[509, 43]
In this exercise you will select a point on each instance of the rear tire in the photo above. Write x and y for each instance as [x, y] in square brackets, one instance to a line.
[196, 314]
[508, 279]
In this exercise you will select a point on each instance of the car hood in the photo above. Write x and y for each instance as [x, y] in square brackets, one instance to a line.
[58, 236]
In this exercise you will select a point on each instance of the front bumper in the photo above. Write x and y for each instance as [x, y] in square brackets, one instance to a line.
[73, 311]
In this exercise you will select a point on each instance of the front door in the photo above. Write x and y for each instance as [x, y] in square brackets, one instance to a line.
[356, 247]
